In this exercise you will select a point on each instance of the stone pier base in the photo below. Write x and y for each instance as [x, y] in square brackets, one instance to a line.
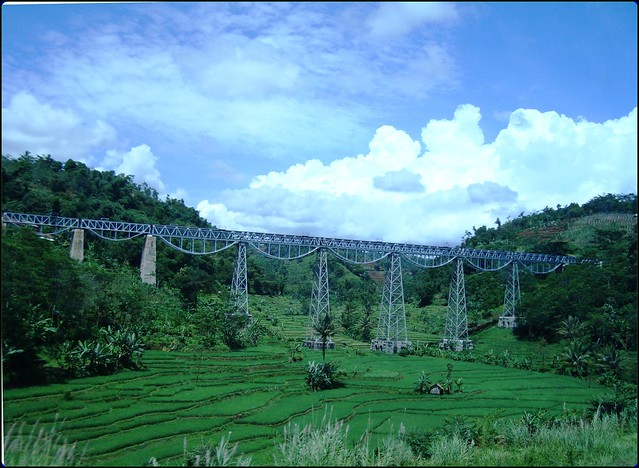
[317, 344]
[507, 322]
[147, 265]
[390, 346]
[77, 245]
[455, 345]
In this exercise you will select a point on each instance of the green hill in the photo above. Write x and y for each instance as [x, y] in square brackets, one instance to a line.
[77, 300]
[137, 371]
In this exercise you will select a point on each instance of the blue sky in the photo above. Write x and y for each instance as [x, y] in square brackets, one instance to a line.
[403, 122]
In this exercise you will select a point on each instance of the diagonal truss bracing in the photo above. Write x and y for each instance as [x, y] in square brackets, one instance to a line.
[456, 328]
[202, 241]
[320, 304]
[239, 286]
[391, 334]
[512, 298]
[320, 296]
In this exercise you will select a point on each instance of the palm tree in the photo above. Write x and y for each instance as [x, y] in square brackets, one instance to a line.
[325, 328]
[423, 384]
[576, 359]
[609, 361]
[571, 328]
[366, 324]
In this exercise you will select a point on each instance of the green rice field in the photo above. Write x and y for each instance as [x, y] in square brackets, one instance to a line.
[192, 398]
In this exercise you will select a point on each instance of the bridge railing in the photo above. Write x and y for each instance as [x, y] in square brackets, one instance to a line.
[199, 240]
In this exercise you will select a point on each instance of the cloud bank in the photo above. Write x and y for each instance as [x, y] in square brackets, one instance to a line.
[433, 191]
[30, 125]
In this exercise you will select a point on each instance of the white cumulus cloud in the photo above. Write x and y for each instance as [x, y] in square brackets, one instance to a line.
[30, 125]
[401, 193]
[138, 162]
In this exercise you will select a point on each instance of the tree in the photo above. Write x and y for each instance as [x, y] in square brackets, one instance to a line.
[607, 327]
[576, 359]
[609, 362]
[42, 299]
[423, 383]
[322, 375]
[366, 324]
[348, 319]
[231, 329]
[325, 328]
[571, 328]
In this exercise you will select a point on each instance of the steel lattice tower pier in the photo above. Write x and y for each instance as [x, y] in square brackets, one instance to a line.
[391, 325]
[391, 334]
[239, 287]
[512, 297]
[456, 329]
[320, 303]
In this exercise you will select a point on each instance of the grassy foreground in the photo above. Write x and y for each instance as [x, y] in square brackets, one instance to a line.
[254, 395]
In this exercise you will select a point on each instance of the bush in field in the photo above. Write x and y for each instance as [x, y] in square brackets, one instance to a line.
[295, 352]
[538, 440]
[322, 375]
[454, 451]
[576, 359]
[620, 400]
[110, 352]
[419, 441]
[254, 331]
[423, 383]
[231, 329]
[325, 445]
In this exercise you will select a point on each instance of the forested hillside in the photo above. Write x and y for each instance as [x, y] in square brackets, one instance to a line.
[57, 310]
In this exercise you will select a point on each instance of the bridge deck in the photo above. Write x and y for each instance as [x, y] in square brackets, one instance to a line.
[198, 240]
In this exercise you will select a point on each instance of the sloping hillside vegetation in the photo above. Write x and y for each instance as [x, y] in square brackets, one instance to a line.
[78, 317]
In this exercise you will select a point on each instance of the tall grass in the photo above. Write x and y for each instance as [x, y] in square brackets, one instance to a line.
[603, 440]
[38, 447]
[327, 444]
[224, 454]
[451, 451]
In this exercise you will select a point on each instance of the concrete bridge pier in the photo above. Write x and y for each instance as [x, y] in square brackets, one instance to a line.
[77, 245]
[147, 265]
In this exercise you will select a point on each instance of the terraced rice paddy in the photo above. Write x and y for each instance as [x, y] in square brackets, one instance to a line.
[126, 419]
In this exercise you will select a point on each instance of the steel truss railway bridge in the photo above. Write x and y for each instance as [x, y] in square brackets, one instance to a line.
[391, 334]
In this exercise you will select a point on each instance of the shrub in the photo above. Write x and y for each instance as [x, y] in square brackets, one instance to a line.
[322, 376]
[621, 397]
[454, 451]
[111, 351]
[458, 426]
[295, 352]
[524, 363]
[253, 332]
[419, 441]
[423, 383]
[231, 328]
